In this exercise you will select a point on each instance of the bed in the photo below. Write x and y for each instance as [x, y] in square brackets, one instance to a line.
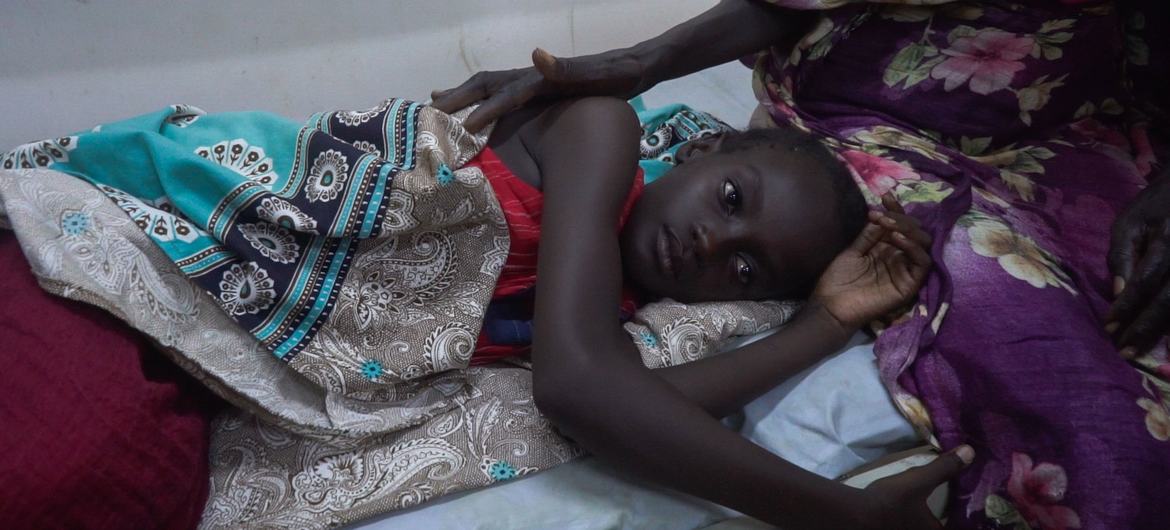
[830, 419]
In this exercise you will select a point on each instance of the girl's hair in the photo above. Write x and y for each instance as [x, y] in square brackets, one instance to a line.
[850, 205]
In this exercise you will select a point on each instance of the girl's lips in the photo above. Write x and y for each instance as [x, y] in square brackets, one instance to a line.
[668, 248]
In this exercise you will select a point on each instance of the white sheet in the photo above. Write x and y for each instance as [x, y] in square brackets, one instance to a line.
[829, 419]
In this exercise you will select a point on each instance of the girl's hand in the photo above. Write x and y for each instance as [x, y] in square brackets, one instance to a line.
[617, 73]
[881, 271]
[899, 501]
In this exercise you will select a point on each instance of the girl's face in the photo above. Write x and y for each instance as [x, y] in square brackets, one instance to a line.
[748, 225]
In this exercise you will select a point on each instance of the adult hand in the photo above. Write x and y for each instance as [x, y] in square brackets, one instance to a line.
[1139, 258]
[617, 73]
[881, 271]
[899, 501]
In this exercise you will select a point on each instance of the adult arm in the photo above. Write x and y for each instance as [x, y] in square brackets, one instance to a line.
[730, 30]
[589, 382]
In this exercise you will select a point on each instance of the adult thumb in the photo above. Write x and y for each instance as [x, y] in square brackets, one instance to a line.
[945, 467]
[553, 68]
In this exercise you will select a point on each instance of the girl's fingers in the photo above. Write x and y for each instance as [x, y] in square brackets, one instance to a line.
[891, 204]
[870, 236]
[902, 223]
[918, 255]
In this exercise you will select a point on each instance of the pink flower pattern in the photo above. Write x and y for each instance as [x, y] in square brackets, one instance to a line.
[989, 59]
[1036, 492]
[879, 174]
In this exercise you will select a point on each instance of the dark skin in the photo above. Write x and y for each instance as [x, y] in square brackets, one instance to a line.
[588, 378]
[754, 224]
[1137, 257]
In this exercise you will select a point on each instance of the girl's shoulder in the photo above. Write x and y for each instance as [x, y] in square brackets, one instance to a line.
[600, 130]
[591, 130]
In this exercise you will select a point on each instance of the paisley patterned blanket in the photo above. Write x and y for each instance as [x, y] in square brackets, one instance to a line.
[356, 250]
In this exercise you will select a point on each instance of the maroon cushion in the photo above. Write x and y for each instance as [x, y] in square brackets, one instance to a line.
[97, 428]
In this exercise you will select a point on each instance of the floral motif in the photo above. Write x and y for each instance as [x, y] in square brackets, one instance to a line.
[282, 213]
[444, 175]
[1017, 254]
[1016, 164]
[368, 147]
[75, 223]
[368, 300]
[1157, 419]
[340, 468]
[354, 118]
[648, 339]
[273, 242]
[879, 174]
[988, 58]
[892, 137]
[371, 369]
[1037, 492]
[39, 154]
[246, 289]
[248, 161]
[158, 218]
[1036, 96]
[327, 177]
[1049, 37]
[103, 259]
[501, 470]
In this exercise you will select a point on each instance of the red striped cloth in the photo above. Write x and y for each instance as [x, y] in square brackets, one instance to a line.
[522, 205]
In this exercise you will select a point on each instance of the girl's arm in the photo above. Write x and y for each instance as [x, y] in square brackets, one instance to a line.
[724, 383]
[728, 31]
[589, 382]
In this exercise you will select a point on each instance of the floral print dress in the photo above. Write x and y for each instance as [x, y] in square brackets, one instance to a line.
[1016, 132]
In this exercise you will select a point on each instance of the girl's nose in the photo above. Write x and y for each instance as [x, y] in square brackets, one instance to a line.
[703, 243]
[709, 244]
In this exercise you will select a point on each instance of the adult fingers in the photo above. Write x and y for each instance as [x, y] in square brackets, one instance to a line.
[509, 98]
[454, 99]
[577, 75]
[1149, 326]
[1148, 276]
[553, 68]
[1123, 251]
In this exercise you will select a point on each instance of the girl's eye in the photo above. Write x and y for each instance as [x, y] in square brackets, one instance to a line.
[743, 270]
[731, 195]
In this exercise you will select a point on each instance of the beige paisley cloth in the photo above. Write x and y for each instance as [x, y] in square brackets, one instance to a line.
[322, 444]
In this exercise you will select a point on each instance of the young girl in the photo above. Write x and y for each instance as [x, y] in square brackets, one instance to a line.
[752, 215]
[289, 240]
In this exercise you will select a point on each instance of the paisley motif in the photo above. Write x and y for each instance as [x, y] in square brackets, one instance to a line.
[449, 346]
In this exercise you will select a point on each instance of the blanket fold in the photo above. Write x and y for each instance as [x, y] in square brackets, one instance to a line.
[156, 233]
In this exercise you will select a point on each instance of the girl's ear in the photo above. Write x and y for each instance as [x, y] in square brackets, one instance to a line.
[699, 147]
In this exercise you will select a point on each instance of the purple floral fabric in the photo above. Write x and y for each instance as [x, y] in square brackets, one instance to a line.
[1016, 132]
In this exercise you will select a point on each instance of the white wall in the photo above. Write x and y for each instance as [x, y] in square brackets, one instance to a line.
[68, 65]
